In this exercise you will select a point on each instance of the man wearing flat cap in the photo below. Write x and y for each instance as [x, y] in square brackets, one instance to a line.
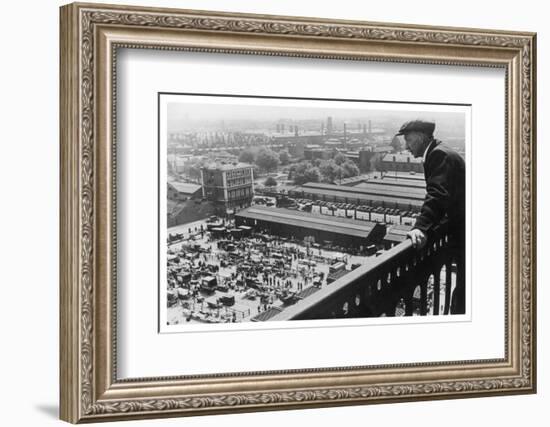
[444, 171]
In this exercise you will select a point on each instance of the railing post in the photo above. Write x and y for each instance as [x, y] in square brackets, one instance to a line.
[458, 299]
[437, 291]
[409, 306]
[424, 298]
[448, 286]
[384, 298]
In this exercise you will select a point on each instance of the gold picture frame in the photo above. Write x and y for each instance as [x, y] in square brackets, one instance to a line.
[90, 36]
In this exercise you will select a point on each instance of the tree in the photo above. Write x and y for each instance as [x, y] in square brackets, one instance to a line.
[330, 171]
[284, 157]
[297, 169]
[349, 169]
[339, 159]
[270, 182]
[304, 172]
[246, 156]
[312, 174]
[267, 160]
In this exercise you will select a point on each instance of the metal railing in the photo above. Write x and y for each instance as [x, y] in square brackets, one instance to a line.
[401, 281]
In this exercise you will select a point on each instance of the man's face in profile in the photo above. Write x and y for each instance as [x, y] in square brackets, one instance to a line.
[415, 143]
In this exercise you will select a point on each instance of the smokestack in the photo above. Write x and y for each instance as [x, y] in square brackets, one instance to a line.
[345, 136]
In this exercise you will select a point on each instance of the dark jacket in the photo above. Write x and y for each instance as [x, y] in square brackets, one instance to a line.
[445, 174]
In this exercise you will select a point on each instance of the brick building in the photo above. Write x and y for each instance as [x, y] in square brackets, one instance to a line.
[229, 186]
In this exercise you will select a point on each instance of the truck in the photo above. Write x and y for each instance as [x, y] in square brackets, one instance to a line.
[337, 266]
[209, 284]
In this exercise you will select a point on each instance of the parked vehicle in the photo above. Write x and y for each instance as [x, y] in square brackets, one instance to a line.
[209, 284]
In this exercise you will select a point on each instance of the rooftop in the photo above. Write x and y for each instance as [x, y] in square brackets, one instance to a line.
[369, 188]
[227, 166]
[382, 148]
[354, 179]
[338, 225]
[391, 183]
[184, 187]
[397, 232]
[401, 229]
[361, 198]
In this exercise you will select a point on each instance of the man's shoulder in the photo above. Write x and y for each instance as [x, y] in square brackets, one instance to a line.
[442, 151]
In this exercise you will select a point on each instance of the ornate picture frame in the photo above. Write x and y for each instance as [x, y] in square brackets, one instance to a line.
[91, 35]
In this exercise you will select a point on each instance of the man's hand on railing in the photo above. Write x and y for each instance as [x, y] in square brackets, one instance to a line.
[418, 238]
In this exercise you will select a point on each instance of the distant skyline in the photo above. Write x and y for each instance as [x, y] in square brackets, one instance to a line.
[194, 116]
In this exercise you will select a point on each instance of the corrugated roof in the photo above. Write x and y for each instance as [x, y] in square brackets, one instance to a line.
[401, 184]
[397, 232]
[338, 225]
[400, 229]
[357, 179]
[391, 191]
[362, 198]
[415, 176]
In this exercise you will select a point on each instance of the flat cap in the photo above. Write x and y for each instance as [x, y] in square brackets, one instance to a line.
[417, 126]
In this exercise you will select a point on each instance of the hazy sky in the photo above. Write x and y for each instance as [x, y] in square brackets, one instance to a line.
[185, 116]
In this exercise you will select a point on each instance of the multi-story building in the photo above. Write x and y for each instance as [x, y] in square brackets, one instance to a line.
[229, 186]
[312, 152]
[369, 158]
[402, 162]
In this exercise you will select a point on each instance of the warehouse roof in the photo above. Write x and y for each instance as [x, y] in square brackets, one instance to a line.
[397, 232]
[332, 224]
[362, 198]
[416, 176]
[388, 191]
[401, 184]
[353, 180]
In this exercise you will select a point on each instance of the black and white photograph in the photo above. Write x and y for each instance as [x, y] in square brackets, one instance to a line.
[275, 213]
[275, 209]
